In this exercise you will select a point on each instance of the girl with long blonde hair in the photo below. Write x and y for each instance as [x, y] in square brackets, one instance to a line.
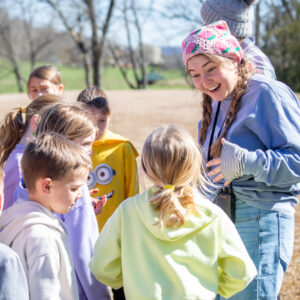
[170, 242]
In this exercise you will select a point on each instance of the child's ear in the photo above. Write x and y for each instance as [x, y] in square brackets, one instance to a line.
[34, 122]
[46, 185]
[60, 88]
[108, 120]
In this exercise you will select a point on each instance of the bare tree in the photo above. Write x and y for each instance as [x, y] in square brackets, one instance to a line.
[281, 40]
[257, 23]
[8, 45]
[288, 9]
[86, 20]
[179, 10]
[132, 57]
[37, 38]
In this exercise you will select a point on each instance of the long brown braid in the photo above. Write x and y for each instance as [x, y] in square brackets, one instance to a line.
[244, 72]
[206, 119]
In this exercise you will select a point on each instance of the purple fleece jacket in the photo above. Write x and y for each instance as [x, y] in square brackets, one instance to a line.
[13, 174]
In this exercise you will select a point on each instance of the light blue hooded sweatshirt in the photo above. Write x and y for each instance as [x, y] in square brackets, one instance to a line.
[268, 126]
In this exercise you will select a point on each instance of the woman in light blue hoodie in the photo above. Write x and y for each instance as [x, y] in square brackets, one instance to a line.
[250, 136]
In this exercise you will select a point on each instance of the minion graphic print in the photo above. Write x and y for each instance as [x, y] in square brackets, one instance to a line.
[114, 172]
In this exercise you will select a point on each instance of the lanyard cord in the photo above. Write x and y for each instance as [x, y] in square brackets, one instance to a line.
[213, 132]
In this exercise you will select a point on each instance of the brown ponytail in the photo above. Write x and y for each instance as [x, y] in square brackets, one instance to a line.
[16, 123]
[11, 131]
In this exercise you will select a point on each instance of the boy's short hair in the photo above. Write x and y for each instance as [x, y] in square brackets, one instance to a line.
[52, 155]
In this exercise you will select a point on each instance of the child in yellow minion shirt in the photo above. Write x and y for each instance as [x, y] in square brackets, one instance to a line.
[114, 172]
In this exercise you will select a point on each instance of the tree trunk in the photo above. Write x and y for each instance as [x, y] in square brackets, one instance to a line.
[87, 69]
[257, 24]
[18, 76]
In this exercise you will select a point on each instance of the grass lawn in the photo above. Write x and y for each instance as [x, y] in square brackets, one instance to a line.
[73, 78]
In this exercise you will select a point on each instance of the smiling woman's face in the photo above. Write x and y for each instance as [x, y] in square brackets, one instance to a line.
[217, 80]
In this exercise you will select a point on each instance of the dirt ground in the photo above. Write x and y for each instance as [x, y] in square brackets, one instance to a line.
[137, 113]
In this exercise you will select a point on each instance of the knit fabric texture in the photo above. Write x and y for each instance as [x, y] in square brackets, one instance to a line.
[212, 39]
[238, 14]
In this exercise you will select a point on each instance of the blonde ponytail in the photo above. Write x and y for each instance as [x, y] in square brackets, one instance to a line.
[171, 157]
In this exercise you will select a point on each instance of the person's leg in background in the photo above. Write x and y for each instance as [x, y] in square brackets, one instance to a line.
[119, 294]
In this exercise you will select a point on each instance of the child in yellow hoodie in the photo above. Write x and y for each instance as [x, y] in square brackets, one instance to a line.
[114, 172]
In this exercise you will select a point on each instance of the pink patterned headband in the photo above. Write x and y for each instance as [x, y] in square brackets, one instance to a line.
[215, 39]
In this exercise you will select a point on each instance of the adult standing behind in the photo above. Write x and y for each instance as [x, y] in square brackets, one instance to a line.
[259, 117]
[239, 15]
[44, 80]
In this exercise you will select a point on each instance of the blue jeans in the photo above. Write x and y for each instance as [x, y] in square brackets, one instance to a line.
[269, 238]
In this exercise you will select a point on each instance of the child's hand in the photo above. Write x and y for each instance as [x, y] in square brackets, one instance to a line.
[98, 204]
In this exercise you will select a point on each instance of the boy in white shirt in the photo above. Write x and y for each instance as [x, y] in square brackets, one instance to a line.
[54, 170]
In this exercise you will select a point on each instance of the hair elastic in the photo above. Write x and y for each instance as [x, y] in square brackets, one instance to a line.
[169, 187]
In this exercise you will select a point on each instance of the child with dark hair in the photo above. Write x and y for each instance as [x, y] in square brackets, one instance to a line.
[115, 172]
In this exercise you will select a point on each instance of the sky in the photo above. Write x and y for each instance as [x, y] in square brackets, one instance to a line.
[157, 31]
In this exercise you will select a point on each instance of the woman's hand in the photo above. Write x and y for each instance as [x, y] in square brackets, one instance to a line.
[216, 171]
[230, 165]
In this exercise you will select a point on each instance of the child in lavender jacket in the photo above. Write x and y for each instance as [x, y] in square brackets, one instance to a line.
[81, 223]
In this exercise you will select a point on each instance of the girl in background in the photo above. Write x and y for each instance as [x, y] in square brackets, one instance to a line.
[44, 80]
[16, 131]
[170, 242]
[250, 135]
[75, 124]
